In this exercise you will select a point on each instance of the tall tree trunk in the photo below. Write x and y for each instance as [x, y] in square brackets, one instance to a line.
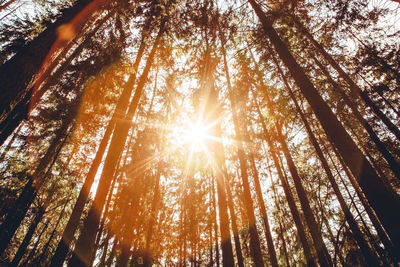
[28, 236]
[393, 251]
[11, 119]
[393, 163]
[47, 245]
[214, 214]
[32, 228]
[289, 197]
[263, 210]
[235, 229]
[254, 239]
[367, 252]
[382, 199]
[356, 90]
[322, 252]
[280, 215]
[33, 250]
[210, 114]
[85, 244]
[18, 72]
[14, 218]
[119, 113]
[153, 217]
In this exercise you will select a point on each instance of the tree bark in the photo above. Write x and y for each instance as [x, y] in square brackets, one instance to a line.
[254, 238]
[393, 163]
[119, 113]
[382, 199]
[289, 197]
[356, 90]
[369, 255]
[85, 243]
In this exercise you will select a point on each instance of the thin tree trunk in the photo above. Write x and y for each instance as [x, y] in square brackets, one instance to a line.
[35, 182]
[356, 90]
[322, 252]
[280, 215]
[393, 251]
[32, 228]
[28, 236]
[367, 252]
[235, 229]
[46, 246]
[382, 199]
[153, 217]
[215, 223]
[254, 239]
[85, 244]
[119, 113]
[263, 210]
[289, 197]
[211, 114]
[393, 163]
[33, 250]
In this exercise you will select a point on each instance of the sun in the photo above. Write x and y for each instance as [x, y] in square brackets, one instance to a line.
[196, 136]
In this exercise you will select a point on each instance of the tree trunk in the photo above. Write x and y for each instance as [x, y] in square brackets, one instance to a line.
[382, 199]
[18, 72]
[22, 248]
[85, 244]
[280, 215]
[35, 182]
[366, 250]
[10, 120]
[393, 163]
[32, 252]
[214, 213]
[235, 229]
[153, 216]
[288, 194]
[254, 239]
[46, 246]
[120, 110]
[356, 90]
[322, 252]
[263, 210]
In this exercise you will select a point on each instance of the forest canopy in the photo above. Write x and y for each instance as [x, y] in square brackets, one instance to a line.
[199, 133]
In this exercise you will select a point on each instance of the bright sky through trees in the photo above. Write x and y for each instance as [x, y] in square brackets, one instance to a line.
[199, 133]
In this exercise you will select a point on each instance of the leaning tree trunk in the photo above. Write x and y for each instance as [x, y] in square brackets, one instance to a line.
[53, 233]
[254, 239]
[120, 110]
[356, 90]
[322, 252]
[18, 72]
[384, 200]
[85, 244]
[35, 181]
[289, 197]
[393, 163]
[369, 255]
[22, 248]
